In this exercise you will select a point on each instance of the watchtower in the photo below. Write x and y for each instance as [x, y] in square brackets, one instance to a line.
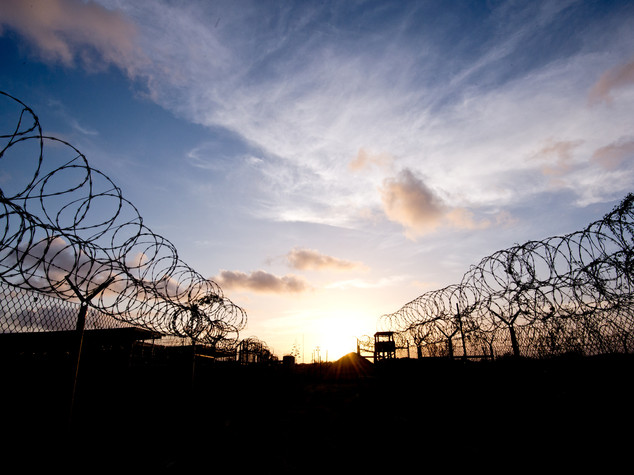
[384, 346]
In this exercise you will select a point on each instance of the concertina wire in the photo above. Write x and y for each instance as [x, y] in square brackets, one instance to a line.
[562, 294]
[66, 230]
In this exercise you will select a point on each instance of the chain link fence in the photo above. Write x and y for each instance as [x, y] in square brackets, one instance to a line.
[568, 294]
[24, 311]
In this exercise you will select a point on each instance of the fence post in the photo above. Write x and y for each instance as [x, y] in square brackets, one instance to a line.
[514, 343]
[464, 346]
[79, 329]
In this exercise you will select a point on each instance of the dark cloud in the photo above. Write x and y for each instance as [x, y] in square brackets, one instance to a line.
[260, 281]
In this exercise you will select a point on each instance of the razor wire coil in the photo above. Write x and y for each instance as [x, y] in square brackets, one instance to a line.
[570, 293]
[66, 229]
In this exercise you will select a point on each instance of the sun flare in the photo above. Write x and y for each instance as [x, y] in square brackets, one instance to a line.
[335, 336]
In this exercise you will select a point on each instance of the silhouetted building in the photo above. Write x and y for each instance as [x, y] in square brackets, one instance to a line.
[384, 346]
[252, 350]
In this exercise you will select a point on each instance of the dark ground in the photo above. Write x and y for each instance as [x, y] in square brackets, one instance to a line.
[401, 416]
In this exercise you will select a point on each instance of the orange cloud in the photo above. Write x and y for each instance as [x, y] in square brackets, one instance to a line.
[559, 156]
[408, 201]
[309, 259]
[61, 30]
[612, 79]
[365, 159]
[260, 281]
[463, 219]
[611, 156]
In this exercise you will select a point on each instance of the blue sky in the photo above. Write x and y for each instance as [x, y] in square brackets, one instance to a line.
[326, 162]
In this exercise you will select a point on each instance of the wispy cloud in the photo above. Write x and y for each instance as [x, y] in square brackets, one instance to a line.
[366, 159]
[261, 282]
[612, 156]
[557, 157]
[365, 284]
[67, 30]
[616, 78]
[334, 112]
[310, 259]
[62, 111]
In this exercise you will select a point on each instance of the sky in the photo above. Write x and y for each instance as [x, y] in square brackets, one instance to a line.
[326, 162]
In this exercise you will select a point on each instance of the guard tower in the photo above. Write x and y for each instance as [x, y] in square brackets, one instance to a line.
[384, 346]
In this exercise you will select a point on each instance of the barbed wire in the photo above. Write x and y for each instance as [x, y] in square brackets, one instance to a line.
[253, 350]
[67, 231]
[570, 293]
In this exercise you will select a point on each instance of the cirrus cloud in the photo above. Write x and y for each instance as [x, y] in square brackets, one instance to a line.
[365, 159]
[611, 156]
[616, 78]
[558, 156]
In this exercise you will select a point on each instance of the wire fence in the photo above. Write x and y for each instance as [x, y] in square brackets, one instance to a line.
[24, 311]
[67, 232]
[564, 294]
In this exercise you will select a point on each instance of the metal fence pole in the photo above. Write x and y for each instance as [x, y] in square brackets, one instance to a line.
[81, 325]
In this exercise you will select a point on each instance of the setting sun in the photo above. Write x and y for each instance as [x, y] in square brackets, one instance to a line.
[333, 347]
[274, 234]
[334, 336]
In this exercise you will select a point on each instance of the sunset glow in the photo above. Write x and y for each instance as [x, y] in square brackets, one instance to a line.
[326, 162]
